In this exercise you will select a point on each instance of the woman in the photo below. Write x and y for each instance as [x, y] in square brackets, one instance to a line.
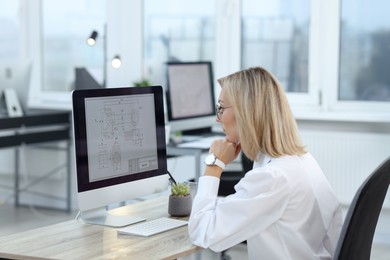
[284, 207]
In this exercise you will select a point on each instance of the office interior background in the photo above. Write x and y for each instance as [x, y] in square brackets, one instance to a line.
[332, 57]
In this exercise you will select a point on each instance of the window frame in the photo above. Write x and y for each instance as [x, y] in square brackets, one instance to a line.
[38, 98]
[118, 39]
[332, 107]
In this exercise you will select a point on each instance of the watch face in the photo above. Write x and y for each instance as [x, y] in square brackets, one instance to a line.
[210, 159]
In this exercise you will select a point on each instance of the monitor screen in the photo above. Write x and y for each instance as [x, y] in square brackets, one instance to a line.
[120, 148]
[190, 95]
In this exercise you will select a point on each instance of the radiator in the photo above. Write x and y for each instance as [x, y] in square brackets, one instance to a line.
[347, 158]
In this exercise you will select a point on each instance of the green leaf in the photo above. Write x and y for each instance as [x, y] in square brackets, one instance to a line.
[180, 189]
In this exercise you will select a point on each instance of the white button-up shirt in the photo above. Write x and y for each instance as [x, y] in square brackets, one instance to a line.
[284, 208]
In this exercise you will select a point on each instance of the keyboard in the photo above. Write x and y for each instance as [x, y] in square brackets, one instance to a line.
[152, 227]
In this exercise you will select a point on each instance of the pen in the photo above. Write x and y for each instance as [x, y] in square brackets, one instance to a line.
[171, 179]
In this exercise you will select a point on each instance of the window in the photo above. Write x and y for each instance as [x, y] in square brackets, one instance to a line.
[176, 30]
[275, 35]
[330, 56]
[364, 51]
[56, 34]
[10, 30]
[66, 26]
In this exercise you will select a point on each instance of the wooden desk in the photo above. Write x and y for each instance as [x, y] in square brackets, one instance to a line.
[76, 240]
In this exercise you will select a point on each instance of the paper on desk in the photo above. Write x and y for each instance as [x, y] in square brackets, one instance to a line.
[203, 143]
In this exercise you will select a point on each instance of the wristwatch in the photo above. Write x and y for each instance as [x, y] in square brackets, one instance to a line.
[212, 160]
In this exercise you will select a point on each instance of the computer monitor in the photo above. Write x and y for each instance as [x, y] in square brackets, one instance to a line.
[190, 96]
[16, 75]
[120, 149]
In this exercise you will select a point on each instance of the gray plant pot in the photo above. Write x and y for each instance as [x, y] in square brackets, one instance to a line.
[179, 206]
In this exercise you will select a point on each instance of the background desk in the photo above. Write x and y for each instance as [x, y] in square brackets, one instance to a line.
[198, 148]
[76, 240]
[37, 126]
[174, 150]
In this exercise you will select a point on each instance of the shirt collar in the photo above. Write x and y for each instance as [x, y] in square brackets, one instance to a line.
[262, 160]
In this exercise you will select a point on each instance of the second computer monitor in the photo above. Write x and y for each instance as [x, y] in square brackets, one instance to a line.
[190, 95]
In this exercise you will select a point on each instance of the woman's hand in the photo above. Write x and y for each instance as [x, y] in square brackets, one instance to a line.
[225, 150]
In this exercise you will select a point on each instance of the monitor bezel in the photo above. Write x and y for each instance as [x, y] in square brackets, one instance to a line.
[211, 94]
[78, 99]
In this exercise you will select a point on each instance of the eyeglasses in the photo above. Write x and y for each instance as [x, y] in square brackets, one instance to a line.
[219, 110]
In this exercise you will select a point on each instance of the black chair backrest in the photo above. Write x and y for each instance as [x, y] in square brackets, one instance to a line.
[358, 230]
[247, 164]
[230, 179]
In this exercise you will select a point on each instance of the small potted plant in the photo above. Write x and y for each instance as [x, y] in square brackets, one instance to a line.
[180, 200]
[142, 83]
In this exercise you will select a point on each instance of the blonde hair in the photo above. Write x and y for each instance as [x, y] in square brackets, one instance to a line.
[264, 121]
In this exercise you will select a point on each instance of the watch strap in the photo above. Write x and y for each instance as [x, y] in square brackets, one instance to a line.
[220, 163]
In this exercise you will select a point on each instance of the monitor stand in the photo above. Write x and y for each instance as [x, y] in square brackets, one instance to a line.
[100, 216]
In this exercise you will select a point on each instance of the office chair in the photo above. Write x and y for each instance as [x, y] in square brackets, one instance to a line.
[230, 179]
[357, 233]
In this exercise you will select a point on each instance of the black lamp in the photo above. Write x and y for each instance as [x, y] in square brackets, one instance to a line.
[115, 62]
[92, 39]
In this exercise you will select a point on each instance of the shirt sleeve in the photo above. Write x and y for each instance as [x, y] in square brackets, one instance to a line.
[220, 223]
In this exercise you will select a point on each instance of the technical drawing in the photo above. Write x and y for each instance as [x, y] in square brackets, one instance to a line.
[120, 127]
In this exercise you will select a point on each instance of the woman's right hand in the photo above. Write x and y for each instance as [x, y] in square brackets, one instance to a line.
[225, 150]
